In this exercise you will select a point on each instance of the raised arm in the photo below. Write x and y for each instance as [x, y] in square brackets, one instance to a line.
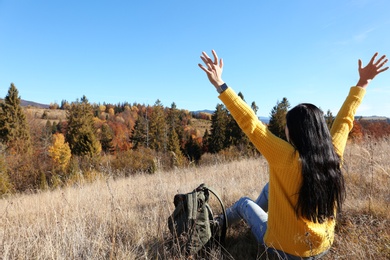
[270, 146]
[344, 120]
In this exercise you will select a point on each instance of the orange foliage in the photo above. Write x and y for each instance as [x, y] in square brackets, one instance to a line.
[375, 129]
[357, 132]
[121, 140]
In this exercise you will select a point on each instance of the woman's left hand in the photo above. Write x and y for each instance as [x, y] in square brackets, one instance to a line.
[213, 69]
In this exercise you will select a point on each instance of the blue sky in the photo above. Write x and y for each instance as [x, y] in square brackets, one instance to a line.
[141, 51]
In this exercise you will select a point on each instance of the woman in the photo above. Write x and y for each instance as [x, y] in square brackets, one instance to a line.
[294, 216]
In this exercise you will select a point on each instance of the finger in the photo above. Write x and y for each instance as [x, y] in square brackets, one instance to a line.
[360, 64]
[221, 63]
[207, 62]
[203, 68]
[373, 58]
[206, 56]
[379, 61]
[215, 57]
[382, 70]
[382, 63]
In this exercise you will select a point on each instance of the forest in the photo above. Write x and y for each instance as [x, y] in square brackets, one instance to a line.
[75, 142]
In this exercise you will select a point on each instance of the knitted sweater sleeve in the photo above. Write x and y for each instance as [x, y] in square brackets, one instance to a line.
[270, 146]
[343, 122]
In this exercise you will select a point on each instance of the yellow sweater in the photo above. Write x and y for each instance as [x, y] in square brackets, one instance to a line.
[285, 231]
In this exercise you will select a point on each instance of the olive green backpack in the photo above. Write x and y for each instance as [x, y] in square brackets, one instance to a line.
[192, 224]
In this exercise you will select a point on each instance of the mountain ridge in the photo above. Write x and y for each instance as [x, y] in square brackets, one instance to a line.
[265, 119]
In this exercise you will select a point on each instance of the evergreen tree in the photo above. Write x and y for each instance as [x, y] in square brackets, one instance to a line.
[14, 130]
[277, 120]
[106, 137]
[54, 127]
[174, 148]
[158, 128]
[205, 141]
[140, 133]
[329, 118]
[219, 122]
[234, 135]
[173, 142]
[193, 150]
[254, 107]
[81, 133]
[174, 122]
[45, 138]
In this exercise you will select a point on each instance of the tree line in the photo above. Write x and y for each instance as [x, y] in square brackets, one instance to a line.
[97, 140]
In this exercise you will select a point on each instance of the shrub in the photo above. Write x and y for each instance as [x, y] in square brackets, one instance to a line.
[130, 162]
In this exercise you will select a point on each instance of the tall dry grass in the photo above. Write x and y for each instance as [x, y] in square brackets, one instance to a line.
[127, 218]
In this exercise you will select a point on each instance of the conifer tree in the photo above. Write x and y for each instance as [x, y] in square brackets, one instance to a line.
[329, 118]
[174, 122]
[205, 141]
[234, 135]
[106, 137]
[81, 133]
[193, 150]
[277, 120]
[174, 148]
[14, 130]
[158, 128]
[140, 132]
[254, 107]
[219, 122]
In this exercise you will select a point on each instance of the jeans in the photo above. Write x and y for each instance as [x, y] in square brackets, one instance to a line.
[255, 215]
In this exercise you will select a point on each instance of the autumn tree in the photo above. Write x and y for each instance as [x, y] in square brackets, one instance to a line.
[81, 133]
[277, 120]
[356, 133]
[5, 181]
[375, 128]
[60, 152]
[14, 130]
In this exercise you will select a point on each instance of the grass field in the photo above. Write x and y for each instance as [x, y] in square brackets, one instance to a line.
[127, 218]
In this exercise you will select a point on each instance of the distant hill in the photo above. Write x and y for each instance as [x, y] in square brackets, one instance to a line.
[373, 118]
[25, 103]
[262, 118]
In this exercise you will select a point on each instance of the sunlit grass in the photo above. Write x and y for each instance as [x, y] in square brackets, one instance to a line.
[127, 218]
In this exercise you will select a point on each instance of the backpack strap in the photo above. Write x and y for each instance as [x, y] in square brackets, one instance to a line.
[192, 205]
[225, 223]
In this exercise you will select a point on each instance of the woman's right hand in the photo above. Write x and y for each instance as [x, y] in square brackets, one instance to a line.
[372, 69]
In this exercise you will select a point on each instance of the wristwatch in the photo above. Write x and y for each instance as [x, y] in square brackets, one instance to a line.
[222, 88]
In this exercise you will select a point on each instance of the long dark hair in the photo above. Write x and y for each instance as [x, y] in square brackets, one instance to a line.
[322, 189]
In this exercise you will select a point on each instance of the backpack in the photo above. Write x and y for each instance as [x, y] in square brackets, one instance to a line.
[192, 224]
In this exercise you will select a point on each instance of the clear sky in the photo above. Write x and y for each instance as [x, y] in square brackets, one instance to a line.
[141, 51]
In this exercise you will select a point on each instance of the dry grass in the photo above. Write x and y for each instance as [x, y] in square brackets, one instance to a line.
[126, 218]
